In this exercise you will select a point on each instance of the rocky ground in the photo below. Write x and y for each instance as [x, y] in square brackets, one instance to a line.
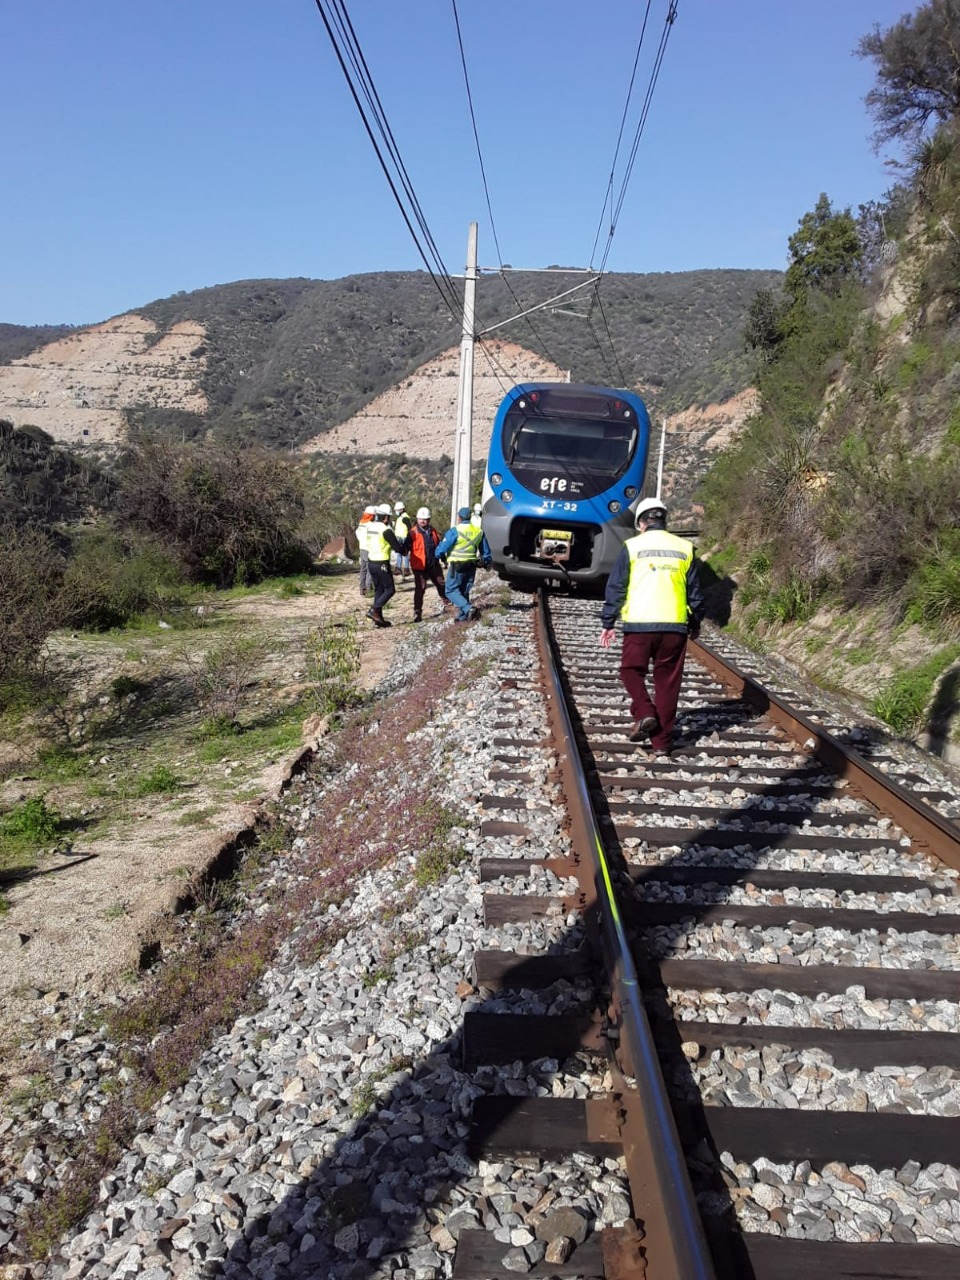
[324, 1134]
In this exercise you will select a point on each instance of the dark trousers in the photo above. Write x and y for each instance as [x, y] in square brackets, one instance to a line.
[383, 588]
[458, 584]
[421, 577]
[664, 651]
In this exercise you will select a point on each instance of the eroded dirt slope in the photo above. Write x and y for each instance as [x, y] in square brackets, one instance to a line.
[417, 416]
[78, 387]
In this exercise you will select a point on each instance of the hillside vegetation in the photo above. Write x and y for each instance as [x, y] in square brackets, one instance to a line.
[843, 493]
[286, 359]
[18, 340]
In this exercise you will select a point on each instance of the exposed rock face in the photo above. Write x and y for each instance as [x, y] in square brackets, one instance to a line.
[418, 416]
[695, 437]
[78, 387]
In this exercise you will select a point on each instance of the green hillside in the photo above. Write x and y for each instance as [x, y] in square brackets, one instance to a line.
[838, 508]
[287, 359]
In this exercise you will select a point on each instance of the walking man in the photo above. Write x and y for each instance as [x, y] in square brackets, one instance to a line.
[654, 589]
[422, 545]
[381, 541]
[465, 545]
[366, 583]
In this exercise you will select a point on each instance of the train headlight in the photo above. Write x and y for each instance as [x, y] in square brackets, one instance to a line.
[630, 492]
[613, 507]
[506, 495]
[497, 478]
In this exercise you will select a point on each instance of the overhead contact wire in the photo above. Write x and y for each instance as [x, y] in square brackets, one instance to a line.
[351, 51]
[608, 197]
[486, 188]
[654, 77]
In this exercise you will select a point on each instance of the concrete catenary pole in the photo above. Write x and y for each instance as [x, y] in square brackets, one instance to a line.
[663, 441]
[463, 441]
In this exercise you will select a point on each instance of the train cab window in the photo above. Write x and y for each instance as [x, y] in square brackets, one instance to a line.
[591, 446]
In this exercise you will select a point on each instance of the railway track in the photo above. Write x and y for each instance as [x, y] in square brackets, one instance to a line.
[556, 1064]
[778, 1011]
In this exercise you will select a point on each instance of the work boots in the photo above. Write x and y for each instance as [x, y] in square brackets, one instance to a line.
[376, 616]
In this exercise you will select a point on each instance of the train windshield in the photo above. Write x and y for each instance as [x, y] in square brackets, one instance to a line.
[578, 444]
[570, 441]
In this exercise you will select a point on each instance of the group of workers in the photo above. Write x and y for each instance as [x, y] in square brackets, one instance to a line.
[388, 539]
[653, 589]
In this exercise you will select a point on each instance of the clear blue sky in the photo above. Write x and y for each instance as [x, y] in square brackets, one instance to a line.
[150, 148]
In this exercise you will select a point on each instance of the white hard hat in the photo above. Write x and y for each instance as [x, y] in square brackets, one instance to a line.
[383, 509]
[477, 509]
[423, 513]
[369, 511]
[645, 507]
[398, 506]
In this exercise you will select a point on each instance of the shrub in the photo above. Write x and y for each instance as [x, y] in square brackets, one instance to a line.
[793, 601]
[232, 515]
[935, 587]
[221, 675]
[158, 781]
[334, 649]
[113, 578]
[31, 604]
[903, 700]
[30, 823]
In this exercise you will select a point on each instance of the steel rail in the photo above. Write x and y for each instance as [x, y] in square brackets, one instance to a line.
[918, 820]
[674, 1242]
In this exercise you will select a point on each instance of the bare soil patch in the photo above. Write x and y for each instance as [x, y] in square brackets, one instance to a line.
[79, 920]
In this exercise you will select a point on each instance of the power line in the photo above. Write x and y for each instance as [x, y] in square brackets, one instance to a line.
[645, 110]
[348, 51]
[608, 201]
[623, 376]
[486, 189]
[608, 196]
[476, 134]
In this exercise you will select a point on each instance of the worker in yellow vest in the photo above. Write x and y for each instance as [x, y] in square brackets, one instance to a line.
[654, 589]
[381, 542]
[366, 582]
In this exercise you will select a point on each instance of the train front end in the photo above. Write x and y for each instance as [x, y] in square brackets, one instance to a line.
[565, 469]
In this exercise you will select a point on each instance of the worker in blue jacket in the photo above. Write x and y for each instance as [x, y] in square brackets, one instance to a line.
[464, 546]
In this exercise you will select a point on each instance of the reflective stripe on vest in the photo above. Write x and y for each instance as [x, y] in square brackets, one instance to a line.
[657, 589]
[466, 549]
[378, 549]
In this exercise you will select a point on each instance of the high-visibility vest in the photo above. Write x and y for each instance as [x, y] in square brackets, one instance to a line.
[402, 527]
[466, 549]
[378, 549]
[657, 587]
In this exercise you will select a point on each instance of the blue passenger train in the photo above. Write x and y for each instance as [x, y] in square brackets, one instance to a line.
[565, 470]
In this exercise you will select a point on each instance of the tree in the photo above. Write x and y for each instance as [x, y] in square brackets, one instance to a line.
[764, 329]
[824, 251]
[918, 72]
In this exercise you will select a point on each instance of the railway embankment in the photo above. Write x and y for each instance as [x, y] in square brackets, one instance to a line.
[902, 678]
